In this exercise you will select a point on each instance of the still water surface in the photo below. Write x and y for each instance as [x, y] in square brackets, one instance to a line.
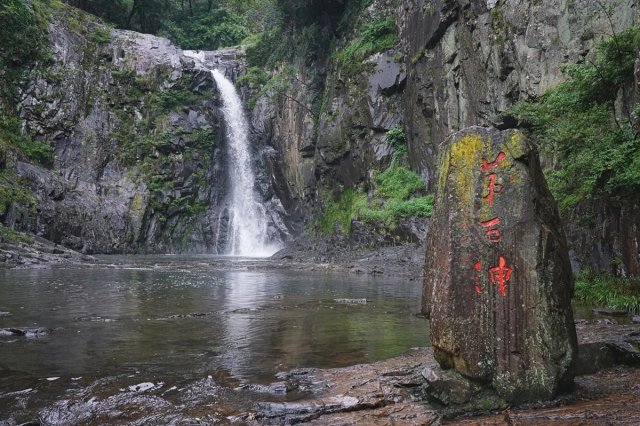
[178, 319]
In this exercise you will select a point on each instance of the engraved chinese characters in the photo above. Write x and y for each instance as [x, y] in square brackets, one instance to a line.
[502, 273]
[497, 281]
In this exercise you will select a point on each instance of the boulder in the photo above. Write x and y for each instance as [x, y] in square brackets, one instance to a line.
[498, 282]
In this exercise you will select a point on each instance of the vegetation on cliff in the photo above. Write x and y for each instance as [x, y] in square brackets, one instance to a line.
[585, 130]
[588, 131]
[398, 194]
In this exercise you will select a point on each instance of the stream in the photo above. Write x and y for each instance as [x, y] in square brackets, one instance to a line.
[148, 330]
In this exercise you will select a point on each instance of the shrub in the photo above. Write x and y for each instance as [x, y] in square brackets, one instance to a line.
[13, 137]
[395, 199]
[373, 37]
[596, 152]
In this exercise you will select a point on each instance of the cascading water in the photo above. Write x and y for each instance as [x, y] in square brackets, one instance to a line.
[248, 224]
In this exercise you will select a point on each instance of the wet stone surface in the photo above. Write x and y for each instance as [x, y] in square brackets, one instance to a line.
[497, 280]
[390, 392]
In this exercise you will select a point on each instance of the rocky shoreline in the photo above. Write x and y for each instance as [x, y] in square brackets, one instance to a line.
[607, 390]
[389, 392]
[38, 253]
[305, 254]
[393, 391]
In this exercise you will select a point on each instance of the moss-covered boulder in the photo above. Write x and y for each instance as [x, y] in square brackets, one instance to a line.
[498, 280]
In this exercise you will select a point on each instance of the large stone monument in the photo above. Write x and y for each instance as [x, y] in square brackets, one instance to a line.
[498, 282]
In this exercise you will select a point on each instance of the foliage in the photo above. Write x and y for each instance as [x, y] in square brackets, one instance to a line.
[207, 31]
[398, 182]
[373, 37]
[609, 291]
[397, 140]
[396, 197]
[253, 78]
[171, 99]
[337, 215]
[12, 137]
[279, 45]
[192, 24]
[14, 191]
[596, 151]
[11, 236]
[353, 10]
[23, 43]
[100, 35]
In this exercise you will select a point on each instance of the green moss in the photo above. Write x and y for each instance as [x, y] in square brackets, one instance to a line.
[14, 138]
[14, 191]
[609, 291]
[100, 35]
[10, 236]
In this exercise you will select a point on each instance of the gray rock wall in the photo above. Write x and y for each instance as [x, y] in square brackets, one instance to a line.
[138, 140]
[468, 60]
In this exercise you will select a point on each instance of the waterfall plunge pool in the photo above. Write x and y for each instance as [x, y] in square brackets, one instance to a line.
[172, 320]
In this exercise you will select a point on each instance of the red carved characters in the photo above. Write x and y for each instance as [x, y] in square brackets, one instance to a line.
[499, 275]
[486, 166]
[493, 187]
[492, 234]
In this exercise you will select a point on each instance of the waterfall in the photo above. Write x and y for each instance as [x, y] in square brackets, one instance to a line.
[248, 221]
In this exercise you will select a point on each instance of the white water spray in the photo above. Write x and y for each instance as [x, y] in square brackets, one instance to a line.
[248, 224]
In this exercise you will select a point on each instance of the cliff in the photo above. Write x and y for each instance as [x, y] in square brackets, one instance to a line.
[137, 133]
[456, 64]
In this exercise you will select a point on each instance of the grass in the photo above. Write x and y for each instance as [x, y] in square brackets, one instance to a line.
[373, 37]
[10, 236]
[609, 291]
[397, 196]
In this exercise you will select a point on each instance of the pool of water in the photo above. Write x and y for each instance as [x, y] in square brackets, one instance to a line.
[177, 319]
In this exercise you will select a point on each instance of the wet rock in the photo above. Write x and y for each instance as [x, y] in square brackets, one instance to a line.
[447, 386]
[143, 387]
[29, 332]
[610, 312]
[498, 281]
[605, 345]
[276, 388]
[636, 319]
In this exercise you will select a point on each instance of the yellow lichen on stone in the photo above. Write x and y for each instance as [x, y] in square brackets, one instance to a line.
[515, 145]
[443, 171]
[136, 202]
[465, 160]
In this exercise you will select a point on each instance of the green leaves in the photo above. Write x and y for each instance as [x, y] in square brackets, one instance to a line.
[396, 197]
[207, 31]
[373, 37]
[593, 147]
[12, 136]
[609, 291]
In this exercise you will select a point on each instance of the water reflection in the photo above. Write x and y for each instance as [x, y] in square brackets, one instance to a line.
[183, 324]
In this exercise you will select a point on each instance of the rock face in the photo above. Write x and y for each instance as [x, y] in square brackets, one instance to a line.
[138, 139]
[469, 60]
[498, 281]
